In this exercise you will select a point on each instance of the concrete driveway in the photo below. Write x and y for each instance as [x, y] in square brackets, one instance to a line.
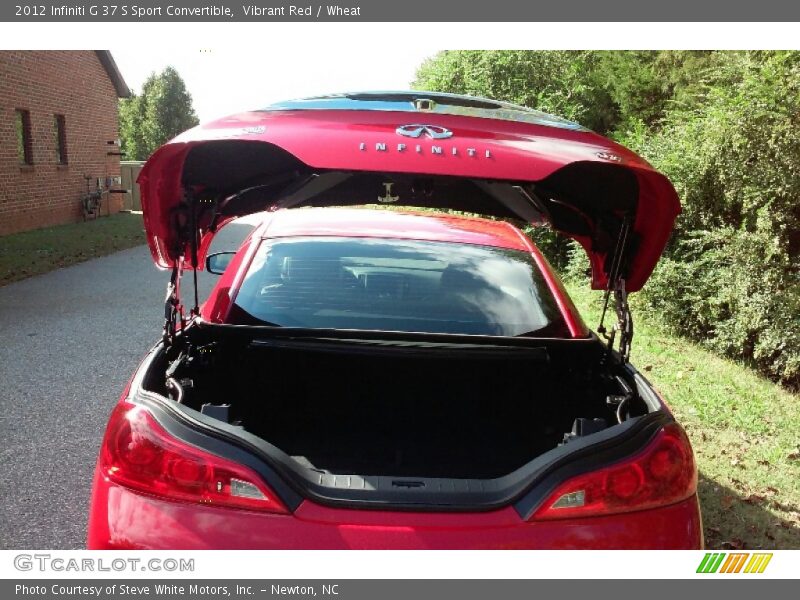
[69, 341]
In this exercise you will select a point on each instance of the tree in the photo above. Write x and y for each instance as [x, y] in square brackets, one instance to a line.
[559, 82]
[162, 111]
[643, 85]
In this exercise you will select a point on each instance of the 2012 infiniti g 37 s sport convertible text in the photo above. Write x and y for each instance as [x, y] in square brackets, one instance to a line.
[363, 378]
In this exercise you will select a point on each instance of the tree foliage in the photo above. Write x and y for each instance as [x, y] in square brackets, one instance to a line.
[162, 111]
[731, 276]
[724, 127]
[558, 82]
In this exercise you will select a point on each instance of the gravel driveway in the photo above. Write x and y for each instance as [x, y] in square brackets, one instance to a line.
[69, 341]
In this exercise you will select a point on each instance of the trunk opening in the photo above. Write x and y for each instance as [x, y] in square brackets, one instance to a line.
[394, 408]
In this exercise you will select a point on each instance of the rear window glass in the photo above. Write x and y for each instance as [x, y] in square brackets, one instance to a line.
[396, 285]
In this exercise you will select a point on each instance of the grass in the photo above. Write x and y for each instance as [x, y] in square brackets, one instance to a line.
[745, 431]
[35, 252]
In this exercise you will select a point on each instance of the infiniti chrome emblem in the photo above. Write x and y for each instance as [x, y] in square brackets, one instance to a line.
[609, 156]
[432, 131]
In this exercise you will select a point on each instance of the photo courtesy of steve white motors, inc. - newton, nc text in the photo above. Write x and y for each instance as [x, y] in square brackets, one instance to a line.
[399, 300]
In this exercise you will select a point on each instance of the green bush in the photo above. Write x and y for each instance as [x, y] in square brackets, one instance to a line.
[731, 277]
[555, 246]
[728, 289]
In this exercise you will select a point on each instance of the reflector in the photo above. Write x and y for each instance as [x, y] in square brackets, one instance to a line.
[571, 500]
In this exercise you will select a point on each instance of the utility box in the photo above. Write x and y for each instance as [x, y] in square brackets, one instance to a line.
[130, 169]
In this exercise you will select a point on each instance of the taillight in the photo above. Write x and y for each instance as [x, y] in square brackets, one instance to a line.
[139, 454]
[663, 473]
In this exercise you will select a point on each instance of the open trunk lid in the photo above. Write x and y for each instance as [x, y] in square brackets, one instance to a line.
[412, 149]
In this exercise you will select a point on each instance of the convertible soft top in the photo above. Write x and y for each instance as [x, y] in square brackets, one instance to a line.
[412, 149]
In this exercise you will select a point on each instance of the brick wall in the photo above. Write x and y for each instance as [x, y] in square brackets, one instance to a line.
[73, 84]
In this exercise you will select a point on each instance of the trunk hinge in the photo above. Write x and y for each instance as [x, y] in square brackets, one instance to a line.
[616, 284]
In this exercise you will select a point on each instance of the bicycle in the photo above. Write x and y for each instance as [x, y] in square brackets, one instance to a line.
[91, 201]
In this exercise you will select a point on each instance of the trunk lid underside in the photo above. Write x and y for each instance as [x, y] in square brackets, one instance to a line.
[465, 154]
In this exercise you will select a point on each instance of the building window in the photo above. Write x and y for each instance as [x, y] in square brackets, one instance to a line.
[24, 142]
[60, 133]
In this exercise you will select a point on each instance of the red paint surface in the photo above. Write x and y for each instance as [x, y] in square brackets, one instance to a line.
[355, 222]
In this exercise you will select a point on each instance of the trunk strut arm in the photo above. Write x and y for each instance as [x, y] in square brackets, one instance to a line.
[190, 200]
[624, 320]
[616, 283]
[173, 309]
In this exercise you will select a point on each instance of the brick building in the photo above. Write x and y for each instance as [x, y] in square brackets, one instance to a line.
[58, 125]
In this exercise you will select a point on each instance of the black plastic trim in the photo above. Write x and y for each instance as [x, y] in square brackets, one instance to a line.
[395, 347]
[200, 328]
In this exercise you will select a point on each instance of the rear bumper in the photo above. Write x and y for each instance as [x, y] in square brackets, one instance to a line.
[122, 519]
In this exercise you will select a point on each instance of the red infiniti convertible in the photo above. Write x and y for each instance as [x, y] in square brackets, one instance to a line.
[395, 378]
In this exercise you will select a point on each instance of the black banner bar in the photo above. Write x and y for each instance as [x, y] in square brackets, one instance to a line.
[348, 589]
[405, 11]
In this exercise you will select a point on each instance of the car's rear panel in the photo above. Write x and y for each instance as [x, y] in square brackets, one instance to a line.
[123, 519]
